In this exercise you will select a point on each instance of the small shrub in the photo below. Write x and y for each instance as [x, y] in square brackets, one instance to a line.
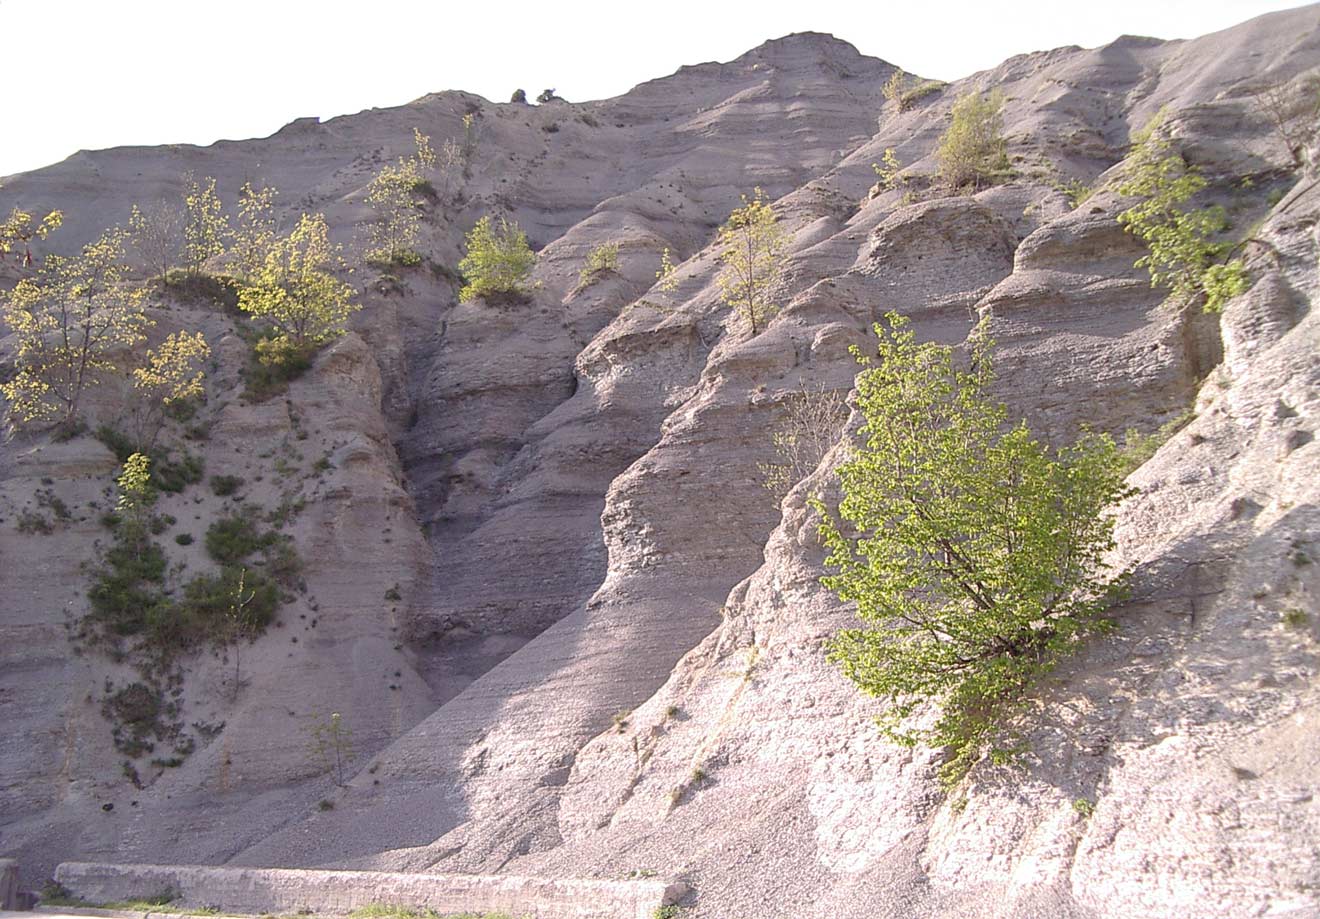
[276, 361]
[126, 588]
[164, 898]
[167, 474]
[904, 92]
[398, 258]
[921, 91]
[519, 97]
[282, 560]
[182, 410]
[119, 443]
[230, 540]
[332, 744]
[30, 522]
[199, 289]
[888, 169]
[184, 539]
[621, 720]
[136, 711]
[602, 259]
[286, 359]
[1296, 619]
[972, 152]
[173, 476]
[67, 432]
[53, 893]
[55, 504]
[287, 510]
[325, 804]
[226, 485]
[1075, 190]
[1083, 806]
[667, 912]
[498, 260]
[204, 613]
[159, 523]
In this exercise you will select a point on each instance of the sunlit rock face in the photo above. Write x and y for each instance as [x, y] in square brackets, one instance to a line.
[571, 632]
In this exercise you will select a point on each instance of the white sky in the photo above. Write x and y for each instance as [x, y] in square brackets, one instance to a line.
[87, 74]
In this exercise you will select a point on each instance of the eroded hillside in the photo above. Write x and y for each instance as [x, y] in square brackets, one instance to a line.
[571, 631]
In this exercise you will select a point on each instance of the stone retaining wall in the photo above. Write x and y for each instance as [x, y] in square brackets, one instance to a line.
[286, 890]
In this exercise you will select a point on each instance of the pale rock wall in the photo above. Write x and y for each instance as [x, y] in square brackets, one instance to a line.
[612, 640]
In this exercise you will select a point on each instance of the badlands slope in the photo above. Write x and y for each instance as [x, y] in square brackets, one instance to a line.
[563, 495]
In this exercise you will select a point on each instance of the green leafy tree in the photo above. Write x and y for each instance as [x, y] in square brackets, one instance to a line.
[296, 291]
[205, 227]
[135, 495]
[498, 260]
[751, 249]
[173, 372]
[74, 322]
[666, 276]
[1182, 252]
[974, 553]
[255, 232]
[888, 169]
[973, 153]
[20, 229]
[395, 195]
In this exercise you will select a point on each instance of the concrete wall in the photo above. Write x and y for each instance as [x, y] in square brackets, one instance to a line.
[8, 883]
[284, 890]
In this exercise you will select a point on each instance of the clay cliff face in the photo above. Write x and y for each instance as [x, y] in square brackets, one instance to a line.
[572, 632]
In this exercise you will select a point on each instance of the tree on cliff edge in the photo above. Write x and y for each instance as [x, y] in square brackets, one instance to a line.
[974, 553]
[751, 249]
